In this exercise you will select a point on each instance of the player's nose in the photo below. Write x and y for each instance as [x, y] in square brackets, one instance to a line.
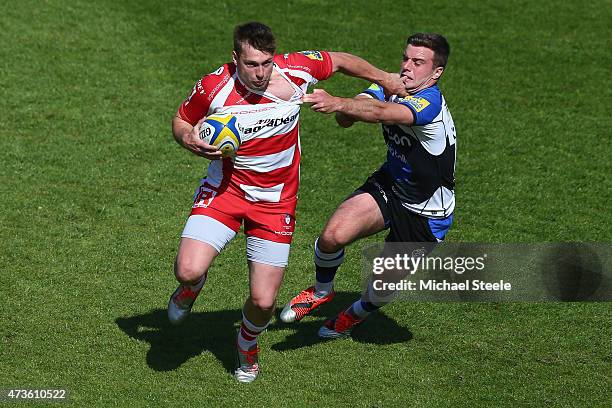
[408, 65]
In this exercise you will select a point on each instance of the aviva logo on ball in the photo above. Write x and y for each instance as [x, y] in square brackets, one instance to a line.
[221, 130]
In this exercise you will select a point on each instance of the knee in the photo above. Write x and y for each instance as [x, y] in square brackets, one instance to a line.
[187, 270]
[332, 240]
[265, 304]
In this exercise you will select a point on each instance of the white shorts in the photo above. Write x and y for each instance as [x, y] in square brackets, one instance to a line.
[217, 234]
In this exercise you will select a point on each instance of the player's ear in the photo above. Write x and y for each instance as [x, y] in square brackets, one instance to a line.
[234, 57]
[438, 73]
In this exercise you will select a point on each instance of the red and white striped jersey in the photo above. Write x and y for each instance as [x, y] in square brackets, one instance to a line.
[266, 166]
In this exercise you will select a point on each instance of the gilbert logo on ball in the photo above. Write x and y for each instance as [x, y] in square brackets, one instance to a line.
[221, 130]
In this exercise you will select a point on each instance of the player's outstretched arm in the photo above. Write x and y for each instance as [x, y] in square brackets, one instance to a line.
[358, 109]
[188, 136]
[345, 120]
[355, 66]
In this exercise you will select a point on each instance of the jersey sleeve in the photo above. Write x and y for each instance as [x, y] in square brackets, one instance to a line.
[425, 105]
[196, 105]
[317, 64]
[375, 91]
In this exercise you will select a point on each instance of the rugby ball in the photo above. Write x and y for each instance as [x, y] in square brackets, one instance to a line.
[222, 130]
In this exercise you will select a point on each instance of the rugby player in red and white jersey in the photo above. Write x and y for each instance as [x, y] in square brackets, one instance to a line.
[258, 187]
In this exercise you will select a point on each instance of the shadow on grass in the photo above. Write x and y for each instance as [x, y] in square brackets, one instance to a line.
[171, 346]
[215, 331]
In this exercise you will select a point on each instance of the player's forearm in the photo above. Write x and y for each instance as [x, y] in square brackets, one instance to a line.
[360, 110]
[344, 120]
[355, 66]
[181, 130]
[187, 136]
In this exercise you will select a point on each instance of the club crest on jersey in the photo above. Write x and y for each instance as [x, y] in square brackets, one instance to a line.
[417, 103]
[286, 221]
[313, 55]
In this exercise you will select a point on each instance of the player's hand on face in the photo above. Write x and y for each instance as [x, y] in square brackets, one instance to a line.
[321, 101]
[394, 85]
[198, 146]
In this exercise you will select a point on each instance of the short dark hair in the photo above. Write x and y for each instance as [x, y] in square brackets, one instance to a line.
[434, 42]
[257, 35]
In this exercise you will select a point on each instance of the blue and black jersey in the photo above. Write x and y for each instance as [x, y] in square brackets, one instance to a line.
[421, 157]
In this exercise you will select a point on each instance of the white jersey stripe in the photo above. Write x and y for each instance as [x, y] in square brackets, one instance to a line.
[301, 74]
[267, 163]
[270, 194]
[220, 98]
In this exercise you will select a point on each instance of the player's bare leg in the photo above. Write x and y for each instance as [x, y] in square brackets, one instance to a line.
[357, 217]
[265, 281]
[193, 260]
[190, 269]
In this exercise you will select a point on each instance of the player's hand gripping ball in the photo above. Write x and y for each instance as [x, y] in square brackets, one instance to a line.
[221, 130]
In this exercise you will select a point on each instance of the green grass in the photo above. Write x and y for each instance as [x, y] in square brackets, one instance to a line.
[95, 193]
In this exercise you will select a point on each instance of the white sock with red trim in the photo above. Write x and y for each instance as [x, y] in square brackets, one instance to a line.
[247, 335]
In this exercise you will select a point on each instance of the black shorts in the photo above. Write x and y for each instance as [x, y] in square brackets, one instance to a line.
[403, 224]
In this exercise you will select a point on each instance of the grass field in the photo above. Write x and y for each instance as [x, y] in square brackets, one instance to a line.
[94, 194]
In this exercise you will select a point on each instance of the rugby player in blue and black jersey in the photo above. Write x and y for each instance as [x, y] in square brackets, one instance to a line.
[411, 194]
